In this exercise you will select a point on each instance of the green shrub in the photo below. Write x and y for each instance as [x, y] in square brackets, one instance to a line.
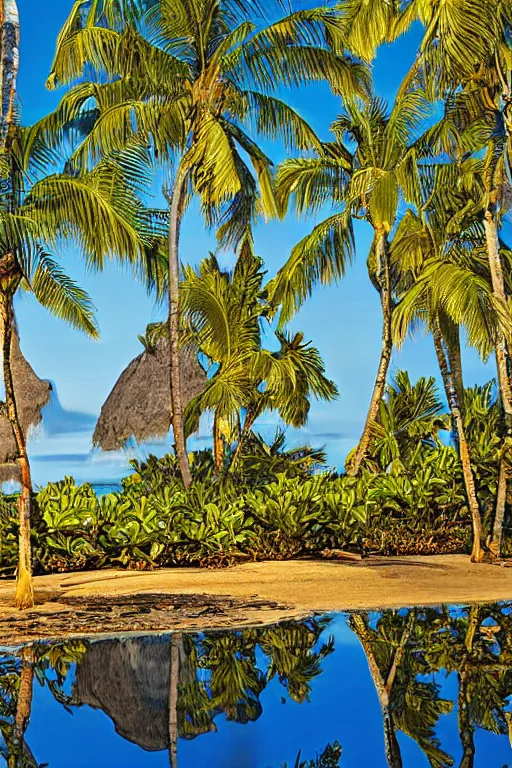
[278, 507]
[307, 515]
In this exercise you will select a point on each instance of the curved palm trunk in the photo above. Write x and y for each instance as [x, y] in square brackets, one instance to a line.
[495, 544]
[176, 210]
[174, 681]
[445, 366]
[496, 541]
[505, 387]
[385, 356]
[24, 588]
[455, 356]
[384, 688]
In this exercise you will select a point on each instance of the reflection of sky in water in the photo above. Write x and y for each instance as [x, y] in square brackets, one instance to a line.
[343, 706]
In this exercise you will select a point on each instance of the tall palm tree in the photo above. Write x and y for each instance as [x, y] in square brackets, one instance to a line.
[99, 212]
[197, 89]
[366, 182]
[224, 316]
[36, 215]
[441, 283]
[464, 55]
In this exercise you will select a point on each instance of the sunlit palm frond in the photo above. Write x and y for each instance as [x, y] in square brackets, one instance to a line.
[321, 257]
[61, 296]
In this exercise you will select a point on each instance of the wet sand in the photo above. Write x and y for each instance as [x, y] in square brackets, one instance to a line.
[253, 593]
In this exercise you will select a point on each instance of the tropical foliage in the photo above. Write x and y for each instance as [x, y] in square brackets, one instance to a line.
[280, 503]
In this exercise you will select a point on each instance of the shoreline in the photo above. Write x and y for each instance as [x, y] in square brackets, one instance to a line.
[105, 602]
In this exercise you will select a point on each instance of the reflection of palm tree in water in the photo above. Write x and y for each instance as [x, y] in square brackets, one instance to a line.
[177, 652]
[466, 728]
[384, 685]
[407, 703]
[157, 690]
[18, 753]
[484, 677]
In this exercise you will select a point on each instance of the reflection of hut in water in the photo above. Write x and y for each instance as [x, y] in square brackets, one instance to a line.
[130, 681]
[140, 404]
[32, 394]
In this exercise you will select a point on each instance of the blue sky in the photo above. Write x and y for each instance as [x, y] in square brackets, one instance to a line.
[343, 321]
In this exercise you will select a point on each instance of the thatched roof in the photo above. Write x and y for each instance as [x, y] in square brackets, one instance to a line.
[32, 394]
[129, 681]
[139, 406]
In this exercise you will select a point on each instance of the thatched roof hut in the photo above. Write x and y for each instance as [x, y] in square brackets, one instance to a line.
[139, 406]
[32, 394]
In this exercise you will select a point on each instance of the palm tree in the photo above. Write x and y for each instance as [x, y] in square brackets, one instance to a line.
[440, 255]
[367, 183]
[103, 216]
[35, 218]
[410, 417]
[224, 316]
[197, 94]
[441, 283]
[464, 56]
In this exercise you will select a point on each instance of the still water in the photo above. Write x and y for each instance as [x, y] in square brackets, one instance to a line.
[420, 687]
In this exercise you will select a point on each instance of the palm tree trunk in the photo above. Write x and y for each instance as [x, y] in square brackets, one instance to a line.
[250, 418]
[381, 248]
[10, 42]
[174, 681]
[24, 589]
[504, 383]
[218, 445]
[477, 553]
[176, 211]
[455, 356]
[498, 289]
[496, 540]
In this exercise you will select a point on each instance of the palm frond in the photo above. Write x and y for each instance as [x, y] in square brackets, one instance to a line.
[320, 257]
[61, 296]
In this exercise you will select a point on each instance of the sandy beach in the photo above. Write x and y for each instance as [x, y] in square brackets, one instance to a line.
[255, 593]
